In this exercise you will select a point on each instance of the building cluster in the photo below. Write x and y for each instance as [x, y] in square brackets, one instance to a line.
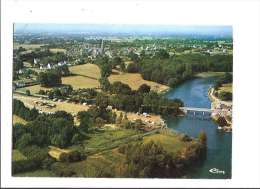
[52, 65]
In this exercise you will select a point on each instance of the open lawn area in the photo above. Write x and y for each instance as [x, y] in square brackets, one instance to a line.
[80, 82]
[17, 119]
[34, 89]
[106, 139]
[135, 80]
[88, 70]
[171, 142]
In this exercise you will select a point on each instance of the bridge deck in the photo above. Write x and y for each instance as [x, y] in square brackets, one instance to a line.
[196, 109]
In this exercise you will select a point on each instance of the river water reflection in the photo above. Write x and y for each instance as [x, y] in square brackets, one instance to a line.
[194, 93]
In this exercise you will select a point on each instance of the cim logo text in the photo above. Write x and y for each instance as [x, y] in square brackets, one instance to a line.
[216, 171]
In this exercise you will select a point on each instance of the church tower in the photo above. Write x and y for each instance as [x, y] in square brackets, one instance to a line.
[102, 47]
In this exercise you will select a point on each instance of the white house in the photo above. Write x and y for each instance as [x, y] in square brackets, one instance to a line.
[62, 63]
[20, 71]
[49, 66]
[36, 60]
[20, 84]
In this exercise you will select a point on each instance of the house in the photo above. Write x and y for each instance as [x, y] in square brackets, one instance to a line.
[20, 84]
[49, 66]
[36, 60]
[14, 86]
[20, 71]
[109, 107]
[62, 63]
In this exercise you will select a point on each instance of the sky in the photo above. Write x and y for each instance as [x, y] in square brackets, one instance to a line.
[114, 29]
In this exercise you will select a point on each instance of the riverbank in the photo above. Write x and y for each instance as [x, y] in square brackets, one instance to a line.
[222, 111]
[209, 74]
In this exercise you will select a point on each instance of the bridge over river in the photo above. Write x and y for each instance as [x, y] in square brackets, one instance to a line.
[201, 112]
[193, 109]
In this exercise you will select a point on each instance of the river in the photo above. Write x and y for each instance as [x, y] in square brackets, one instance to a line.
[194, 93]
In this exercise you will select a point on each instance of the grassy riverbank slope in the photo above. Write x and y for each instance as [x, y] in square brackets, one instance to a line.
[106, 158]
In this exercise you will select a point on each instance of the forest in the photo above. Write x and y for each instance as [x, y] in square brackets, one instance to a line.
[174, 70]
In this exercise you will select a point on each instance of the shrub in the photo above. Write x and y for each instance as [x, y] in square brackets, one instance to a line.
[49, 79]
[221, 121]
[27, 92]
[23, 166]
[226, 96]
[132, 68]
[64, 157]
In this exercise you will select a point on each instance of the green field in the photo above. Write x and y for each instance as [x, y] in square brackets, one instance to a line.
[135, 80]
[171, 142]
[88, 70]
[17, 156]
[106, 139]
[78, 82]
[109, 136]
[103, 156]
[107, 156]
[34, 89]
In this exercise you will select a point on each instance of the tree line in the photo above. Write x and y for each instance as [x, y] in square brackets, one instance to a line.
[223, 95]
[173, 70]
[121, 96]
[52, 77]
[152, 160]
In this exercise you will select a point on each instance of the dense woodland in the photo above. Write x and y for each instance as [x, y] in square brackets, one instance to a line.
[58, 129]
[151, 160]
[174, 70]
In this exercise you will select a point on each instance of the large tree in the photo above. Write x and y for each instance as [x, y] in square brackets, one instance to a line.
[49, 79]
